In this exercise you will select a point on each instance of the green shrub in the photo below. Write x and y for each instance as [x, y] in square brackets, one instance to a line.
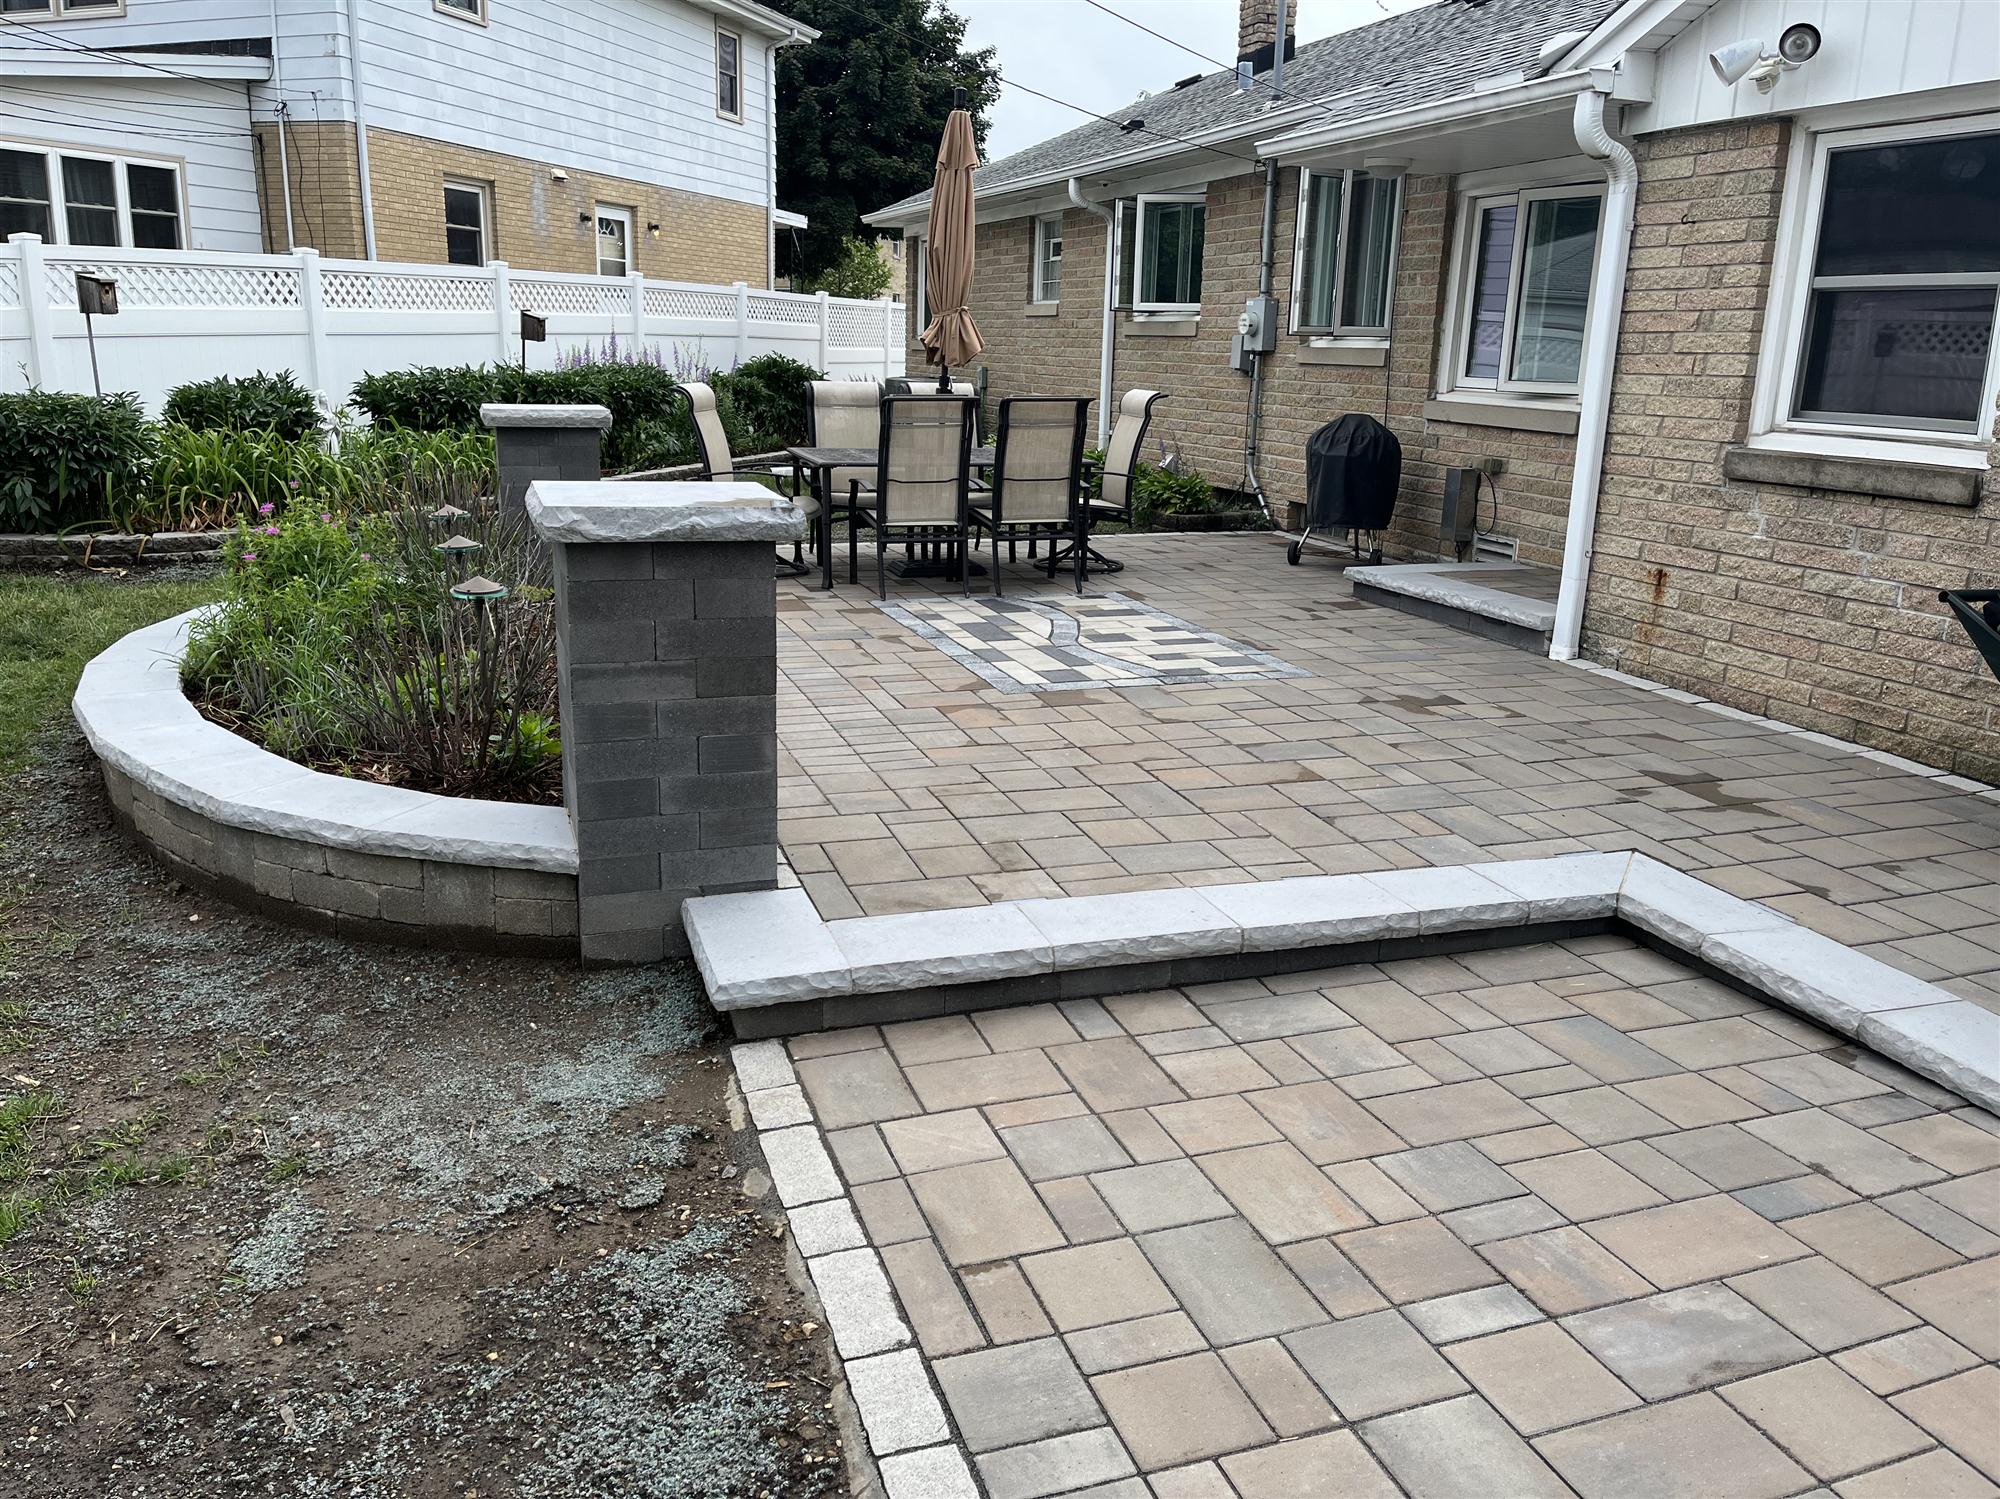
[428, 399]
[1158, 491]
[762, 403]
[393, 468]
[70, 460]
[256, 403]
[771, 398]
[859, 272]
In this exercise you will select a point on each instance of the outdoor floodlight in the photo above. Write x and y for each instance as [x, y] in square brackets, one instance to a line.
[1747, 58]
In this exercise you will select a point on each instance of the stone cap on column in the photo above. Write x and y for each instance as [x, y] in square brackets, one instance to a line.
[501, 414]
[662, 510]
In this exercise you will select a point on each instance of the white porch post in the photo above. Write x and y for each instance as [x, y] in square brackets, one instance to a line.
[35, 307]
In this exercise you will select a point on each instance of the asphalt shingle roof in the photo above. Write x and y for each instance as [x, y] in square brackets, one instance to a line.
[1419, 57]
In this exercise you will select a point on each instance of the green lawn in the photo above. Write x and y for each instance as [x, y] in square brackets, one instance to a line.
[50, 626]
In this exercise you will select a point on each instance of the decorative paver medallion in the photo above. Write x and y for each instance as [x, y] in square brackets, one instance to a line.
[1041, 645]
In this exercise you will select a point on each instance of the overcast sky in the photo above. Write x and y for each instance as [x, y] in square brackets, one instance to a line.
[1076, 52]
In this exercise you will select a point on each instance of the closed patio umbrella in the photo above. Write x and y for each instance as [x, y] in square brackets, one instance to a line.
[951, 338]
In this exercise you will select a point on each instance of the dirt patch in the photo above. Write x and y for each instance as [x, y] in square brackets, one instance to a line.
[292, 1215]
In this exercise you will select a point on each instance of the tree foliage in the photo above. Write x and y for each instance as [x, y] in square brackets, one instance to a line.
[860, 112]
[860, 272]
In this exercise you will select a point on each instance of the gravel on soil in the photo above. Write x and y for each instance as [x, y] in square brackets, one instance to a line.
[320, 1218]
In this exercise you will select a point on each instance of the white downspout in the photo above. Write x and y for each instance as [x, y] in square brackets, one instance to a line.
[284, 155]
[1104, 349]
[1600, 353]
[361, 130]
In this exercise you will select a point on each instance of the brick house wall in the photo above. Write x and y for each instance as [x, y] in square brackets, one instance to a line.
[1815, 608]
[1028, 351]
[538, 224]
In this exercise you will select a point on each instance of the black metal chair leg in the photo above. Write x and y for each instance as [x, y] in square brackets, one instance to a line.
[881, 563]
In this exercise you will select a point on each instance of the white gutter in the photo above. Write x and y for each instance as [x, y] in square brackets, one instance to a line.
[1600, 353]
[1477, 106]
[361, 130]
[61, 62]
[1106, 346]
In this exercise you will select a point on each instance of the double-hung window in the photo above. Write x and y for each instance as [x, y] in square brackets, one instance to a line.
[81, 198]
[1344, 268]
[1522, 292]
[1166, 261]
[1890, 331]
[465, 219]
[728, 74]
[1048, 259]
[465, 10]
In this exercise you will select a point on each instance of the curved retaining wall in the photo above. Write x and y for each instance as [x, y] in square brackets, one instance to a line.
[317, 850]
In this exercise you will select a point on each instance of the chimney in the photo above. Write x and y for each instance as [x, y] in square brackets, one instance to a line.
[1257, 31]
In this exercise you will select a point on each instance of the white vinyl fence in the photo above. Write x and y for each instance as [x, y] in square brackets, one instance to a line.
[187, 315]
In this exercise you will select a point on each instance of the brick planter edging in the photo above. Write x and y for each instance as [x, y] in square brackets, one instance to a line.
[775, 968]
[318, 850]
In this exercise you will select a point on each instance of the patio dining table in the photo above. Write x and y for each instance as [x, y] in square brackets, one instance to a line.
[820, 463]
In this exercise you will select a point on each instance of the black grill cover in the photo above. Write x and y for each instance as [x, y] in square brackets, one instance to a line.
[1353, 467]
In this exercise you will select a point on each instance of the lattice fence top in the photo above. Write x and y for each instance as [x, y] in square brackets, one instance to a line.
[852, 325]
[378, 291]
[578, 298]
[152, 283]
[777, 307]
[10, 286]
[685, 302]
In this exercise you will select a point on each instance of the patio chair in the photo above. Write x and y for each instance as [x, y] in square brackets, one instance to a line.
[846, 414]
[923, 466]
[711, 445]
[1117, 474]
[923, 385]
[1037, 478]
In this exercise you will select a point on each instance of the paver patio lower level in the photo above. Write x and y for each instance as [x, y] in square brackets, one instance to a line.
[911, 782]
[1538, 1220]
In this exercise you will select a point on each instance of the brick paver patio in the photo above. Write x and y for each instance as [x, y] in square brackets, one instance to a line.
[1540, 1220]
[909, 783]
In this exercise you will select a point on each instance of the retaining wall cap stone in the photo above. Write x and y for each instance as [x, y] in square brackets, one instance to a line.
[575, 510]
[131, 709]
[503, 414]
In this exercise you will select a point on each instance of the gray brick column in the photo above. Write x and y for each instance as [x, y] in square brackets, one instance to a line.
[544, 442]
[667, 644]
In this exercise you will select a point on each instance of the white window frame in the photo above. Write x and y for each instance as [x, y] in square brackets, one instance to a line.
[1338, 329]
[65, 10]
[922, 300]
[1182, 309]
[736, 37]
[1048, 226]
[616, 214]
[483, 191]
[1782, 355]
[1471, 207]
[471, 11]
[59, 207]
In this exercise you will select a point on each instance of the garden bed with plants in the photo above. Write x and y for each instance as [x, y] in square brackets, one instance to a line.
[338, 641]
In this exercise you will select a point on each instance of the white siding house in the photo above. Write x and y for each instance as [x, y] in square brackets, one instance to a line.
[637, 98]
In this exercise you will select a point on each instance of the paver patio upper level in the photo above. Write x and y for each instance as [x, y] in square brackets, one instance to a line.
[1240, 719]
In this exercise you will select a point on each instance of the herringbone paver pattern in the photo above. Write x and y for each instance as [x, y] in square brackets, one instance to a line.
[908, 783]
[1553, 1220]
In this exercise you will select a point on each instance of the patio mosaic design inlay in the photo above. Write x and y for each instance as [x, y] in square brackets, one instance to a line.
[1106, 640]
[1566, 1219]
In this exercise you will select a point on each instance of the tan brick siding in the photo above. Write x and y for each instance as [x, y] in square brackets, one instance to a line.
[1814, 608]
[538, 223]
[1206, 416]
